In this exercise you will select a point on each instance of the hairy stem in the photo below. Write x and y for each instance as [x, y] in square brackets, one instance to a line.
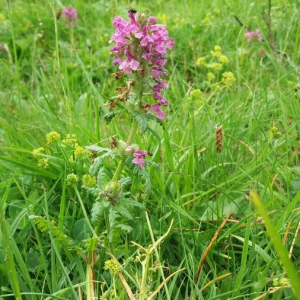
[129, 141]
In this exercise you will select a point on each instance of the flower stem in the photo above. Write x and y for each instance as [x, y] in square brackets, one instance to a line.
[129, 141]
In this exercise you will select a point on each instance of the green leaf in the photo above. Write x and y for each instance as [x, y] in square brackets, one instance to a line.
[109, 116]
[81, 230]
[95, 166]
[281, 250]
[142, 121]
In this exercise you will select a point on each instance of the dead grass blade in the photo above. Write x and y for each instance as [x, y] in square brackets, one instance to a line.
[209, 247]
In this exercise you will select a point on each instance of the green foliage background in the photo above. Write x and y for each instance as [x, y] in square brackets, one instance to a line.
[54, 78]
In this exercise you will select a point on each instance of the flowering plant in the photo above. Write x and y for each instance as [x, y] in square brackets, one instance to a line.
[140, 51]
[71, 16]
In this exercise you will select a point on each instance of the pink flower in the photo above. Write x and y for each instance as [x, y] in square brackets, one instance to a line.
[252, 35]
[70, 15]
[129, 65]
[141, 46]
[156, 108]
[140, 158]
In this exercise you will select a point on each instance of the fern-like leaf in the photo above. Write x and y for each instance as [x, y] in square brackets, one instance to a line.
[142, 121]
[49, 227]
[96, 166]
[108, 117]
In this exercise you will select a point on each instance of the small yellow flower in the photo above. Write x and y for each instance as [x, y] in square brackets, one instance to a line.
[217, 88]
[211, 77]
[228, 79]
[217, 51]
[201, 61]
[80, 152]
[43, 163]
[113, 266]
[72, 179]
[88, 180]
[36, 152]
[70, 140]
[215, 66]
[52, 137]
[275, 132]
[208, 18]
[223, 59]
[196, 94]
[284, 282]
[162, 18]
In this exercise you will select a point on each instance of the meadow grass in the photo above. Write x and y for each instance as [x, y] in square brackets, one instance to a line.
[56, 78]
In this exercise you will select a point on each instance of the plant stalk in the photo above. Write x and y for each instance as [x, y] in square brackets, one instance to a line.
[129, 141]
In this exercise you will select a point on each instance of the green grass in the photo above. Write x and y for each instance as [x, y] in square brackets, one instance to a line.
[57, 79]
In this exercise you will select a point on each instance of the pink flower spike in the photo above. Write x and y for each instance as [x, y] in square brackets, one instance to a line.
[140, 158]
[141, 48]
[70, 16]
[252, 35]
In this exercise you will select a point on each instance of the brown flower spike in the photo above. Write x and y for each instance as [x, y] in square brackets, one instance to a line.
[219, 138]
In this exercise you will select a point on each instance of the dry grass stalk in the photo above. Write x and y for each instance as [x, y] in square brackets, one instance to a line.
[215, 280]
[286, 232]
[271, 290]
[209, 247]
[294, 240]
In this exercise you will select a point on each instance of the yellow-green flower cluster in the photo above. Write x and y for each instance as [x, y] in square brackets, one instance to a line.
[223, 59]
[88, 180]
[217, 52]
[196, 94]
[228, 79]
[201, 62]
[72, 179]
[52, 137]
[36, 152]
[208, 18]
[43, 163]
[275, 133]
[195, 99]
[215, 65]
[113, 266]
[211, 77]
[81, 152]
[71, 140]
[281, 282]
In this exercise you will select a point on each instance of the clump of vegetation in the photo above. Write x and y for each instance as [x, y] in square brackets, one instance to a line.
[153, 159]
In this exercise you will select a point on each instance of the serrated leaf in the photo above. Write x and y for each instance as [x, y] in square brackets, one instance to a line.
[93, 191]
[97, 148]
[125, 180]
[108, 117]
[133, 203]
[124, 227]
[95, 166]
[100, 178]
[44, 226]
[124, 212]
[142, 121]
[97, 212]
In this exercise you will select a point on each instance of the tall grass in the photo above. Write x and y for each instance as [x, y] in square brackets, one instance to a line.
[57, 79]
